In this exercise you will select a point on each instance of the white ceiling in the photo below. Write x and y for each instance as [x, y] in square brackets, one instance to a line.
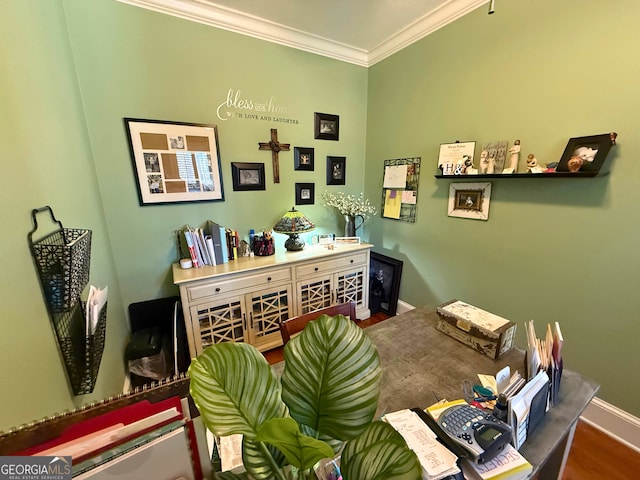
[356, 31]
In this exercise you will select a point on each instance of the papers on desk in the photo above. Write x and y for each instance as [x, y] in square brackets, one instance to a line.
[545, 355]
[509, 464]
[527, 407]
[436, 460]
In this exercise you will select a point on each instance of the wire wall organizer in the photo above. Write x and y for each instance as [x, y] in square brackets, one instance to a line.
[62, 260]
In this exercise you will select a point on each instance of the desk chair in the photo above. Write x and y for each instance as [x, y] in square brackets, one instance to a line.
[295, 325]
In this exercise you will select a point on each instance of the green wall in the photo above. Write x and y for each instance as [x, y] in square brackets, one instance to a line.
[46, 160]
[552, 250]
[136, 63]
[72, 76]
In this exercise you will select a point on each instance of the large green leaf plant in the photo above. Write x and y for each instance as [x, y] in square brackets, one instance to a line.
[323, 405]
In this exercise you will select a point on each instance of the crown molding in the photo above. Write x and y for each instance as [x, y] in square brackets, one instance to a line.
[436, 19]
[239, 22]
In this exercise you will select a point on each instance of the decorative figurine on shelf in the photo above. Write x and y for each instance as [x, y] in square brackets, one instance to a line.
[551, 167]
[575, 163]
[245, 250]
[470, 170]
[532, 164]
[461, 166]
[491, 163]
[514, 158]
[482, 165]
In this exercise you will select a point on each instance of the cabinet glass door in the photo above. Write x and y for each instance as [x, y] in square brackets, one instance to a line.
[350, 287]
[268, 309]
[220, 322]
[314, 294]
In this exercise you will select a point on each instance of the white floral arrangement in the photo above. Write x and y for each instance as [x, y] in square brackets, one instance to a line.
[348, 204]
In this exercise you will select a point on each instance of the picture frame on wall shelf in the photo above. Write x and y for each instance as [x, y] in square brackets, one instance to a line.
[336, 170]
[385, 274]
[247, 176]
[303, 158]
[174, 162]
[305, 193]
[586, 154]
[454, 158]
[470, 200]
[326, 126]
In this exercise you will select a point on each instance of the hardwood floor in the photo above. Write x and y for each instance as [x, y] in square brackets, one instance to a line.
[594, 455]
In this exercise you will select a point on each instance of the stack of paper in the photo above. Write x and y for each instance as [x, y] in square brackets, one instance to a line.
[556, 355]
[528, 406]
[436, 460]
[545, 355]
[508, 465]
[95, 303]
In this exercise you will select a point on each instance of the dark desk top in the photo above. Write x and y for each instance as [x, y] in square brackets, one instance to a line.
[419, 363]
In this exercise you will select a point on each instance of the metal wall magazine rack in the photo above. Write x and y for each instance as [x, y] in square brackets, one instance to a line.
[62, 260]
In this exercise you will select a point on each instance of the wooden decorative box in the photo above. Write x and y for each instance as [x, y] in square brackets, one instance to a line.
[481, 330]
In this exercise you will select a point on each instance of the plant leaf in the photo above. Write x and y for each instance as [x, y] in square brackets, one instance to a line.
[234, 388]
[331, 378]
[336, 445]
[380, 453]
[260, 464]
[301, 451]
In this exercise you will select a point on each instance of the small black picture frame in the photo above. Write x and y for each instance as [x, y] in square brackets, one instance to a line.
[327, 126]
[336, 170]
[586, 154]
[247, 176]
[385, 274]
[305, 193]
[303, 158]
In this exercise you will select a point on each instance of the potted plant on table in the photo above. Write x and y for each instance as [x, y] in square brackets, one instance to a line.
[323, 405]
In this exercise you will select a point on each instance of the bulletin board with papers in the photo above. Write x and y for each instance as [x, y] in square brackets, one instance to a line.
[400, 188]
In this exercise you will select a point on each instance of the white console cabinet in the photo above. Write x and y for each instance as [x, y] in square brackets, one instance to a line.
[245, 300]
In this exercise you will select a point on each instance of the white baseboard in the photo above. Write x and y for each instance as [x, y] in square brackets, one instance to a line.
[618, 424]
[611, 420]
[403, 307]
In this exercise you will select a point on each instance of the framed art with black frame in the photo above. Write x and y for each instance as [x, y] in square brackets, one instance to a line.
[384, 283]
[174, 162]
[305, 193]
[327, 126]
[247, 176]
[586, 154]
[303, 158]
[336, 170]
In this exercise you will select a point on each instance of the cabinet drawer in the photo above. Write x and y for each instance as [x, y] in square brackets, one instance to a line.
[331, 265]
[216, 288]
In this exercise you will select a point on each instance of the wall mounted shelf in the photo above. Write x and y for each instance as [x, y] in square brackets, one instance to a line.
[526, 175]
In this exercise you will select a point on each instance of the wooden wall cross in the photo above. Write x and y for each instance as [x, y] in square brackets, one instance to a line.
[275, 147]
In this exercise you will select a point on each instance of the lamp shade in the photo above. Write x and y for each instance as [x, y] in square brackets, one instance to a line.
[292, 223]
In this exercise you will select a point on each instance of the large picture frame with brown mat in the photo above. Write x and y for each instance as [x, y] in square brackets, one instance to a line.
[174, 162]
